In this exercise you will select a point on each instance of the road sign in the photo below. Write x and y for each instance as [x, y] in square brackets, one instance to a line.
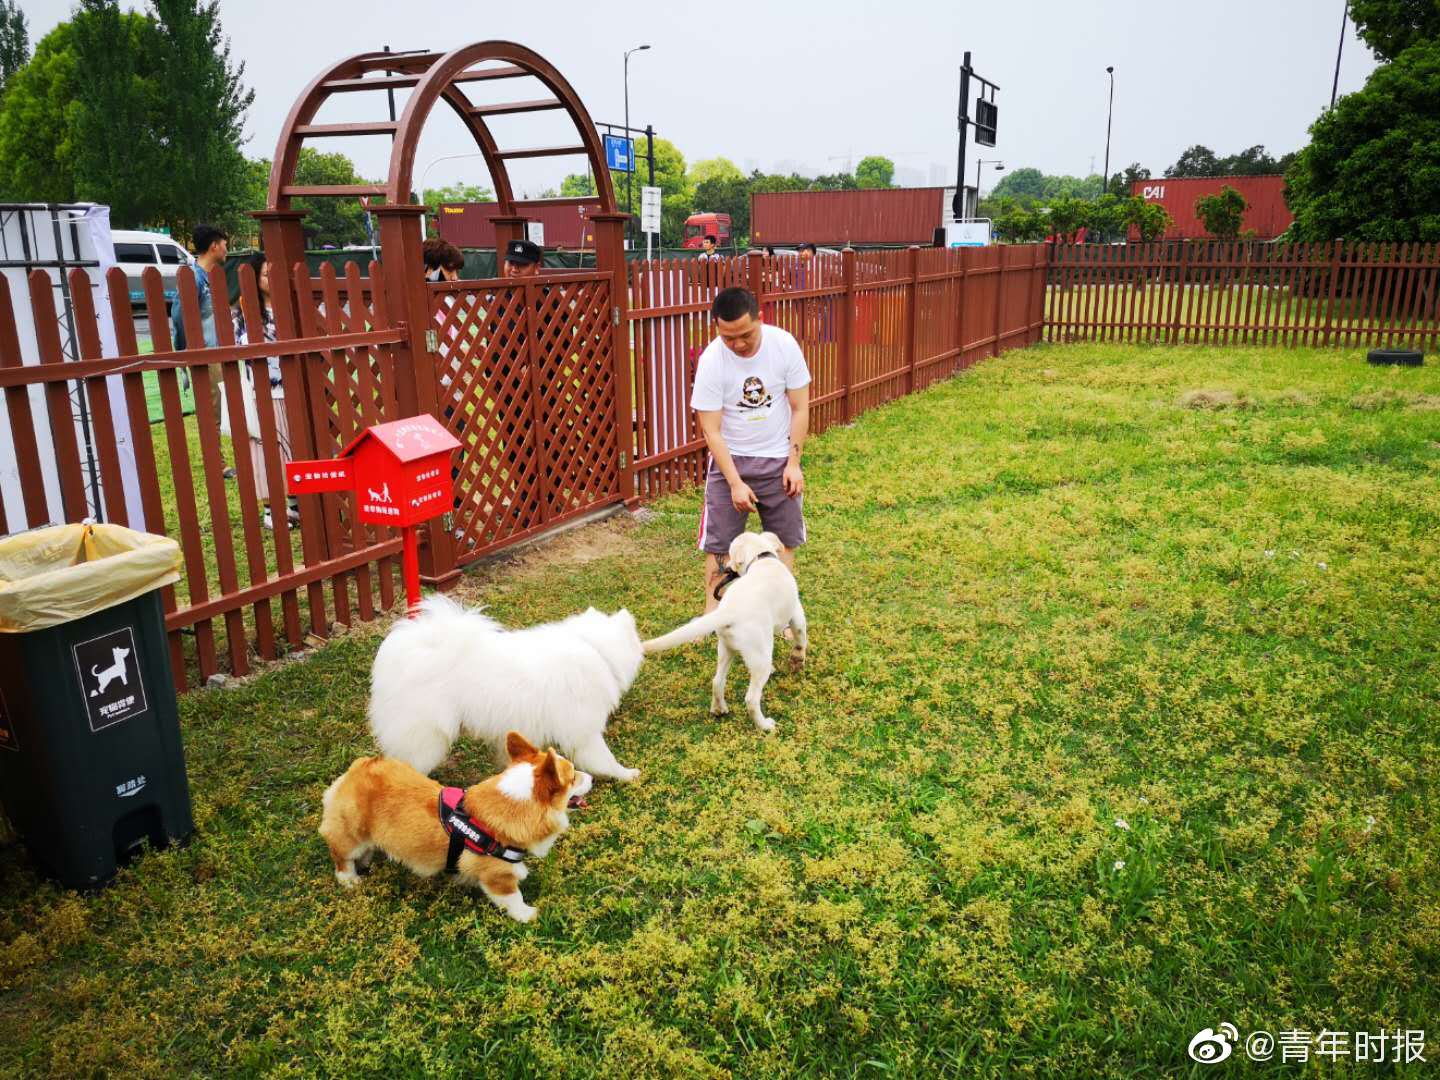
[620, 153]
[975, 233]
[650, 209]
[987, 118]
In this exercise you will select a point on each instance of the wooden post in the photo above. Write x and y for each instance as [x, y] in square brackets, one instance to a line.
[512, 227]
[1335, 247]
[1179, 293]
[999, 297]
[407, 300]
[912, 319]
[847, 331]
[610, 258]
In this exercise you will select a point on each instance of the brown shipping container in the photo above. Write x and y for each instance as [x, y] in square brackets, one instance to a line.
[472, 225]
[834, 218]
[1267, 214]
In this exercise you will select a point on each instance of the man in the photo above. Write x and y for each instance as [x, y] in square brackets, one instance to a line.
[211, 246]
[707, 247]
[443, 260]
[752, 402]
[522, 259]
[807, 252]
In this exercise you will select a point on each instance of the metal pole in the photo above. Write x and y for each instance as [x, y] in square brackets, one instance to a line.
[1105, 186]
[629, 176]
[958, 203]
[1335, 86]
[390, 94]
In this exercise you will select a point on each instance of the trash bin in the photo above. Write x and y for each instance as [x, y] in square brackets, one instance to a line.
[91, 764]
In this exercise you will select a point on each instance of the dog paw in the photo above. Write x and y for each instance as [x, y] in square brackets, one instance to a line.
[719, 708]
[521, 871]
[765, 724]
[626, 776]
[523, 913]
[797, 661]
[348, 878]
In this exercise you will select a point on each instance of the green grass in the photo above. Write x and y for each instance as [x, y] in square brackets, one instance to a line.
[1044, 598]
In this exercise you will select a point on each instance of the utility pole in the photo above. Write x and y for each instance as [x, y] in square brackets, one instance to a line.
[1335, 86]
[958, 204]
[1108, 117]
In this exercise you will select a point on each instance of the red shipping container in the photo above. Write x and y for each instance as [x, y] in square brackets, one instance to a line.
[835, 218]
[472, 225]
[1267, 213]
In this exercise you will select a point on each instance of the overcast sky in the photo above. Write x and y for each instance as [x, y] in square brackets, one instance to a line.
[815, 85]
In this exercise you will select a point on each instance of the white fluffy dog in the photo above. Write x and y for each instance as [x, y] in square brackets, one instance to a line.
[453, 668]
[763, 599]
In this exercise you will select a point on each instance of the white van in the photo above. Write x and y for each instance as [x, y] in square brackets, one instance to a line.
[135, 250]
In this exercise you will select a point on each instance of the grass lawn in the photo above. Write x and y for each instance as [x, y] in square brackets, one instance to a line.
[1120, 723]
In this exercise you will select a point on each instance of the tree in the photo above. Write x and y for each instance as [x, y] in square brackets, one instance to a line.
[875, 172]
[14, 41]
[37, 143]
[726, 196]
[1031, 187]
[119, 159]
[453, 193]
[1150, 219]
[1222, 212]
[676, 191]
[1390, 27]
[834, 182]
[577, 185]
[1372, 169]
[1122, 182]
[1067, 217]
[1197, 161]
[716, 168]
[200, 114]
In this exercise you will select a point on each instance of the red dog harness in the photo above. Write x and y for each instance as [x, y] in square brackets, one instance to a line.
[467, 834]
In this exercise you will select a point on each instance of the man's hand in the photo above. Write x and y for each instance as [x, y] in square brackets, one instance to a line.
[794, 479]
[742, 497]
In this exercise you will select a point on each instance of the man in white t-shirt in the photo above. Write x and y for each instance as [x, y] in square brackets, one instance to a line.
[752, 401]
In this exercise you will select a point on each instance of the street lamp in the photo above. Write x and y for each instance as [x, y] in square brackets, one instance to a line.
[629, 146]
[426, 172]
[999, 166]
[1108, 117]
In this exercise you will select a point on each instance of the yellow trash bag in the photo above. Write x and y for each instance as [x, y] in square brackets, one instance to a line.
[56, 575]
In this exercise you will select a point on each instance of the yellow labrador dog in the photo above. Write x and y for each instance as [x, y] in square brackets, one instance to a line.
[761, 599]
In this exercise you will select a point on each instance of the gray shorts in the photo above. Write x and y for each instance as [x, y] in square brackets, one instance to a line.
[781, 514]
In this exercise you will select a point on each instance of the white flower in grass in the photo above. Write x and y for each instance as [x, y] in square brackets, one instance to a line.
[1144, 800]
[1119, 864]
[1121, 823]
[1269, 553]
[1322, 566]
[1294, 554]
[1369, 822]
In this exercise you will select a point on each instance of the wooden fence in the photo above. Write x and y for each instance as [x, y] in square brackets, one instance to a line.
[1245, 293]
[532, 377]
[337, 377]
[874, 326]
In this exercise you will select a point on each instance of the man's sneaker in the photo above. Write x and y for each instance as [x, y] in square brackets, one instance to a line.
[229, 473]
[267, 521]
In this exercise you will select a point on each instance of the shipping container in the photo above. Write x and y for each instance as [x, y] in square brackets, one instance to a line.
[835, 218]
[472, 225]
[1267, 213]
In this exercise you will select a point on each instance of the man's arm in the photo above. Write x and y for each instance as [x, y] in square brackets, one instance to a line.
[740, 493]
[794, 479]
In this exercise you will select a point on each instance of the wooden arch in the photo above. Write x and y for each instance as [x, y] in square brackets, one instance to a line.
[434, 77]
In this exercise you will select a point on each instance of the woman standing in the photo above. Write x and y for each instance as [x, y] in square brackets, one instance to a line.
[245, 335]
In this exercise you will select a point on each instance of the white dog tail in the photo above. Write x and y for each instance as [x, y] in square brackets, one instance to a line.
[693, 630]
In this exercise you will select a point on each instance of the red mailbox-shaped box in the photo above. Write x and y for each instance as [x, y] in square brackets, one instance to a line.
[400, 472]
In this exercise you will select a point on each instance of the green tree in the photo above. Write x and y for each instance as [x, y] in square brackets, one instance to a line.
[1196, 161]
[1390, 27]
[1222, 212]
[451, 193]
[1372, 169]
[119, 159]
[1067, 217]
[577, 185]
[14, 41]
[726, 196]
[1150, 219]
[200, 114]
[834, 182]
[37, 139]
[875, 172]
[1121, 182]
[716, 168]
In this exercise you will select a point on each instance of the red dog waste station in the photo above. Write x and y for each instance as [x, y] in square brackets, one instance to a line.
[400, 473]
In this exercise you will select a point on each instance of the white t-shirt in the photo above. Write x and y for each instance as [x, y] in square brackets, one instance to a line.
[751, 392]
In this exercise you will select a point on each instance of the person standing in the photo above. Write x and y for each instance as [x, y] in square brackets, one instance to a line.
[707, 247]
[211, 245]
[752, 404]
[522, 259]
[246, 335]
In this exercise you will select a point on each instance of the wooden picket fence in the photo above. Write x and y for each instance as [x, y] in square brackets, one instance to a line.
[1208, 292]
[337, 377]
[874, 326]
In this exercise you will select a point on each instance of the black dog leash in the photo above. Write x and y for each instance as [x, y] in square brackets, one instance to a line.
[734, 575]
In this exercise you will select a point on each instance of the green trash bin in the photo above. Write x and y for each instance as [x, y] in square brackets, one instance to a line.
[91, 764]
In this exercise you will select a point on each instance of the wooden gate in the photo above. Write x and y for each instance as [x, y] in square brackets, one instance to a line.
[526, 381]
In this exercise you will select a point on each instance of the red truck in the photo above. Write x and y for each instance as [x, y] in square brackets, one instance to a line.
[699, 226]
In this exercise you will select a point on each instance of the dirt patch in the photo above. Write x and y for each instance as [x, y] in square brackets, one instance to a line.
[1294, 398]
[574, 548]
[1213, 399]
[1425, 402]
[1378, 399]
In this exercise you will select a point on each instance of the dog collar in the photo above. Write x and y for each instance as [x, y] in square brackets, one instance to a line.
[734, 575]
[467, 834]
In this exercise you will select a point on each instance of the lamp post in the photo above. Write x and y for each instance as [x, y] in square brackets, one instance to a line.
[1108, 117]
[629, 146]
[426, 172]
[999, 165]
[1335, 86]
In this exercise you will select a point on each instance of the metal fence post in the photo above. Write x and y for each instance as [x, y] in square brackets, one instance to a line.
[847, 331]
[912, 319]
[999, 298]
[610, 258]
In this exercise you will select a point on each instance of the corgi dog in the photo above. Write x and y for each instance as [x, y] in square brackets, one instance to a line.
[481, 834]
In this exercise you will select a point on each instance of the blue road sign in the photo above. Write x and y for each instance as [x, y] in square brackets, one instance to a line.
[620, 153]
